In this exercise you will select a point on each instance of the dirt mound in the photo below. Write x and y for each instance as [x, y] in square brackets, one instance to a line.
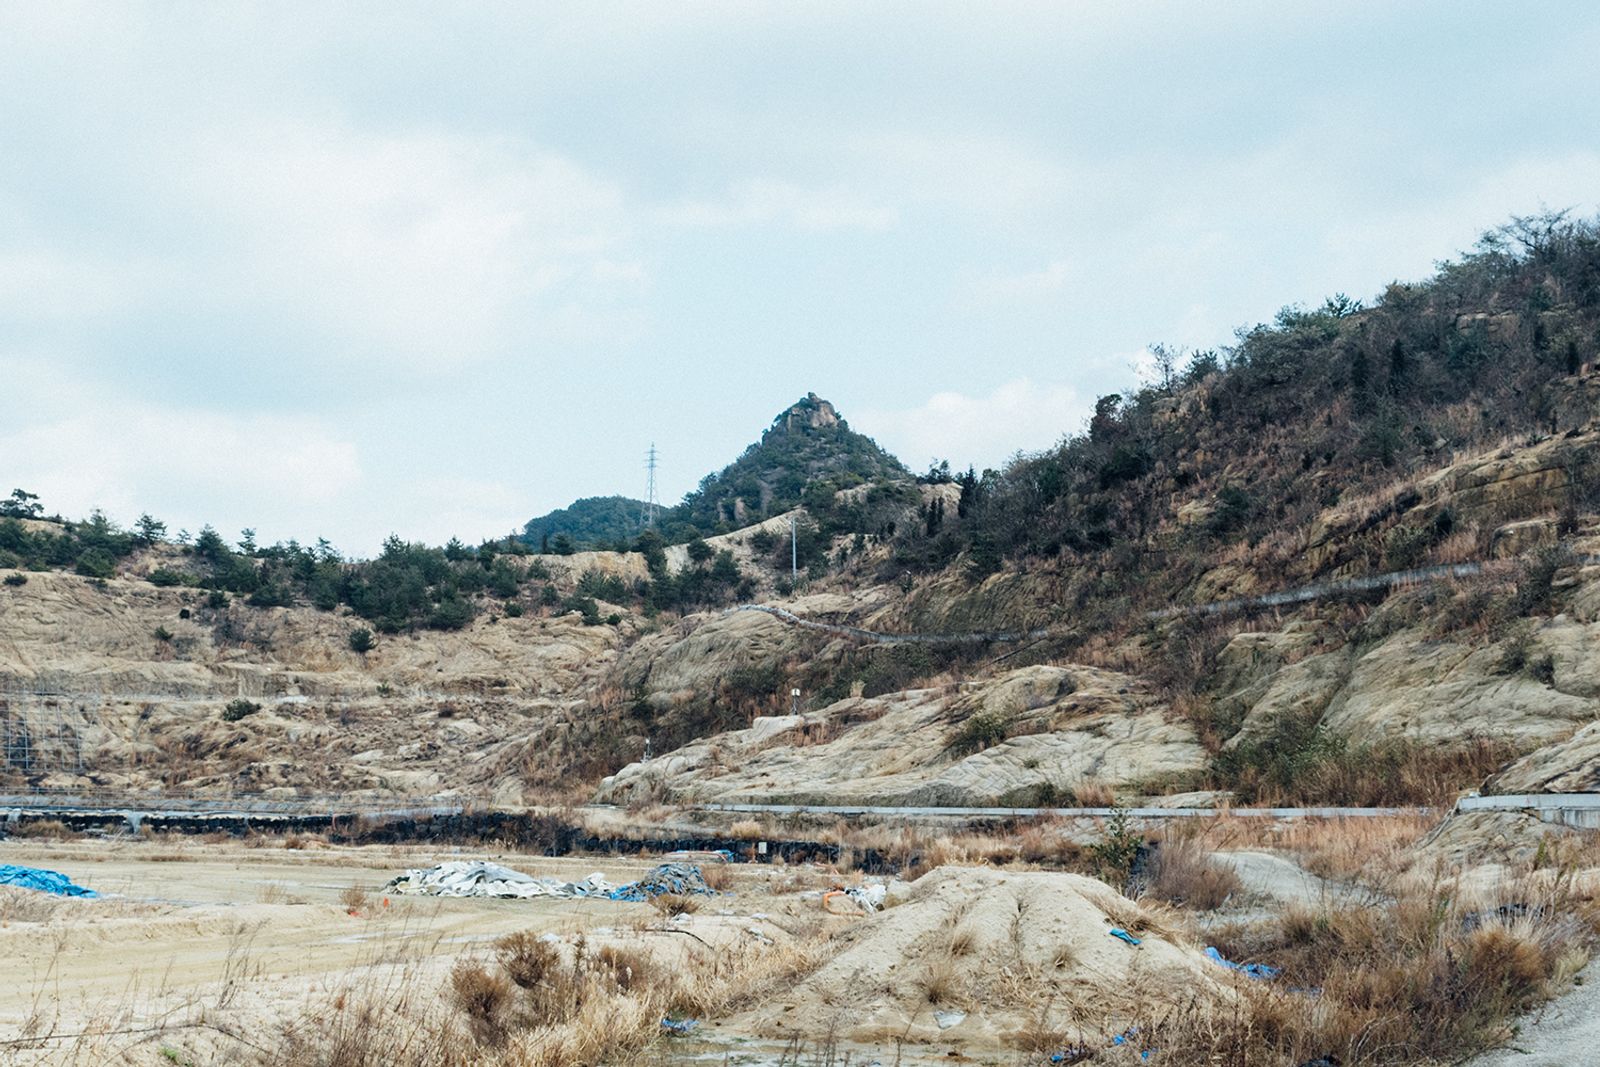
[986, 958]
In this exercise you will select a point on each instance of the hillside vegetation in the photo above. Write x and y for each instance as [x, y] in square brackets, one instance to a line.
[1452, 420]
[594, 521]
[806, 455]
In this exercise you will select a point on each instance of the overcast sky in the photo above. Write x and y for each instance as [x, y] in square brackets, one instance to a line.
[347, 269]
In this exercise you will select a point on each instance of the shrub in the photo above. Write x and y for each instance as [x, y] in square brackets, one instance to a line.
[216, 600]
[513, 610]
[979, 732]
[584, 606]
[238, 709]
[361, 641]
[16, 579]
[1117, 849]
[167, 577]
[672, 904]
[896, 667]
[96, 563]
[482, 996]
[452, 613]
[162, 634]
[1537, 583]
[527, 960]
[599, 586]
[271, 595]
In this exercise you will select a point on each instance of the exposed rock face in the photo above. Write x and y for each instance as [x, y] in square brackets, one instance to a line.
[426, 713]
[1066, 726]
[1519, 538]
[1570, 766]
[1490, 488]
[812, 413]
[1415, 687]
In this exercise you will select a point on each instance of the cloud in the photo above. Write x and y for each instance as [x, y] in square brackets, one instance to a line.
[278, 471]
[437, 248]
[989, 179]
[1049, 280]
[44, 285]
[982, 431]
[436, 509]
[764, 202]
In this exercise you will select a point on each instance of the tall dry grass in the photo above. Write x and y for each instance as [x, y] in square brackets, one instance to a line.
[1181, 871]
[536, 1002]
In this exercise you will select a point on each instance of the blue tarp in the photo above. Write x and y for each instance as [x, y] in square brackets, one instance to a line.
[1254, 970]
[1122, 935]
[43, 881]
[678, 879]
[1083, 1052]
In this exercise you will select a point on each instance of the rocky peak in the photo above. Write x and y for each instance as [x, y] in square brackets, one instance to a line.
[809, 413]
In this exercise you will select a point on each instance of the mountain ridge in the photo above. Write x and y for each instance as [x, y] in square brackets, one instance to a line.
[807, 447]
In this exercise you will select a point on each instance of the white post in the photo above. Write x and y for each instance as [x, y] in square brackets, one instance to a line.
[794, 553]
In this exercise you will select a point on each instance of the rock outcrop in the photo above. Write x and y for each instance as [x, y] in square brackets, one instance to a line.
[1041, 733]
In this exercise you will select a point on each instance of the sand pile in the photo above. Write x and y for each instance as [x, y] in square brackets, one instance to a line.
[981, 957]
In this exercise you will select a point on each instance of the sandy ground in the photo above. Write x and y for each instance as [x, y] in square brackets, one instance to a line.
[1566, 1032]
[204, 930]
[1283, 881]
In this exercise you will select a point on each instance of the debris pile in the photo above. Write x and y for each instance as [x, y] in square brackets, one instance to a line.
[461, 878]
[669, 879]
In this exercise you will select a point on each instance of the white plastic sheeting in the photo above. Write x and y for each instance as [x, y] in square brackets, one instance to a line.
[477, 878]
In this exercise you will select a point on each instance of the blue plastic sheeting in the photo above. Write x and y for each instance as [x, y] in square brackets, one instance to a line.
[677, 879]
[1254, 970]
[43, 881]
[679, 1026]
[1122, 935]
[1078, 1053]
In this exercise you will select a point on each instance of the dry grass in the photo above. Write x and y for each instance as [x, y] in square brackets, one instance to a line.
[1363, 851]
[1094, 795]
[1421, 979]
[354, 899]
[43, 830]
[717, 876]
[1181, 871]
[27, 906]
[748, 830]
[675, 904]
[537, 1002]
[940, 981]
[1298, 765]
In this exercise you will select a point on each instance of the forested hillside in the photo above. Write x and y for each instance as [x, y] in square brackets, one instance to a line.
[806, 455]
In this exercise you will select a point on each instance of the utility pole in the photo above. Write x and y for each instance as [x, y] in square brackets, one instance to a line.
[794, 552]
[651, 503]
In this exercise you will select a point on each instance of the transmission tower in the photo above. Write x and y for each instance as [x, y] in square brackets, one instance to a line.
[652, 503]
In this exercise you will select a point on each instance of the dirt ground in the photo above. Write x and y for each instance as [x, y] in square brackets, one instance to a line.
[224, 931]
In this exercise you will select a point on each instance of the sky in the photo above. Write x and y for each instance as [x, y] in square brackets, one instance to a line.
[367, 268]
